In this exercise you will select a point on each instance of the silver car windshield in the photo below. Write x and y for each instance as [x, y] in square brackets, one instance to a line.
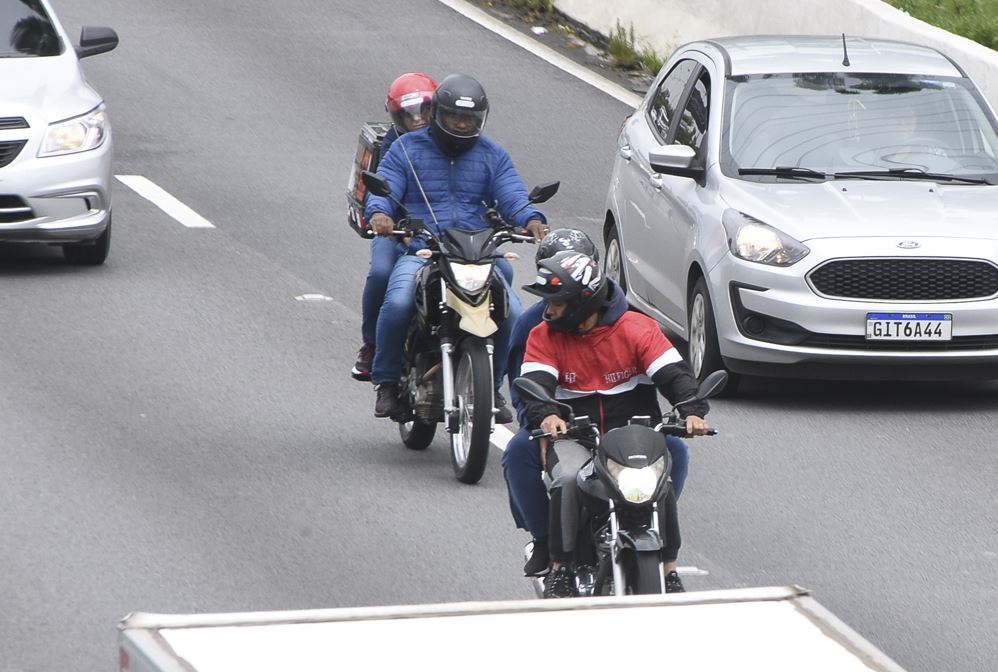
[26, 30]
[841, 122]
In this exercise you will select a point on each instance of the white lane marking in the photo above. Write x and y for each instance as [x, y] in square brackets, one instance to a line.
[692, 571]
[542, 51]
[165, 201]
[501, 437]
[313, 297]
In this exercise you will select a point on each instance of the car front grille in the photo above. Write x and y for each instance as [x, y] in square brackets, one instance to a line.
[9, 150]
[10, 123]
[906, 279]
[14, 209]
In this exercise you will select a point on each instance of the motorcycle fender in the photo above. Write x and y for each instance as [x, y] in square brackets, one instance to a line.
[640, 540]
[474, 319]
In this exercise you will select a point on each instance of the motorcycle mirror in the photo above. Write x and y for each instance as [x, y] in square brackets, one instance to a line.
[376, 184]
[534, 391]
[712, 384]
[543, 192]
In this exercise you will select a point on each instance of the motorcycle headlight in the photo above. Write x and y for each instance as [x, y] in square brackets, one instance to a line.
[751, 240]
[471, 277]
[636, 485]
[79, 134]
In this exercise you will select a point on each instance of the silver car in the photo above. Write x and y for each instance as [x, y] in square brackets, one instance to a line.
[812, 206]
[55, 139]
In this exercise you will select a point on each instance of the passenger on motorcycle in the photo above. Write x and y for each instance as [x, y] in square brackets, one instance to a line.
[521, 463]
[408, 105]
[444, 175]
[606, 363]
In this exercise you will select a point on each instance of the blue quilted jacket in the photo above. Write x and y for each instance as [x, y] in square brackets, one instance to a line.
[456, 187]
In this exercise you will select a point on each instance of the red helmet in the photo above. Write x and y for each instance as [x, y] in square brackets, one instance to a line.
[408, 101]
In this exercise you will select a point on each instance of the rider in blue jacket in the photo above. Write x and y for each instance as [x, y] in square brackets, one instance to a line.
[446, 175]
[521, 461]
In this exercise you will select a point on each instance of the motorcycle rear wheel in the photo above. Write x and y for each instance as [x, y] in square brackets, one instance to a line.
[416, 434]
[473, 399]
[644, 576]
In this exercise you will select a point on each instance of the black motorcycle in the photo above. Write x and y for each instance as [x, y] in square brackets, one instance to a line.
[619, 549]
[447, 363]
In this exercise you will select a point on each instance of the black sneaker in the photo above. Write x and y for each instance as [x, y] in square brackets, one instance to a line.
[559, 583]
[503, 414]
[362, 367]
[673, 584]
[538, 563]
[387, 404]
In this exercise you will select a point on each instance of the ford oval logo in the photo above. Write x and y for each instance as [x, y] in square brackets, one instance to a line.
[909, 245]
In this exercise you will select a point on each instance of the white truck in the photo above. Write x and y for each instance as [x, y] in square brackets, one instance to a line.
[778, 629]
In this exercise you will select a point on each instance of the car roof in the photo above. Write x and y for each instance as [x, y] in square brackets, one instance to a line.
[772, 54]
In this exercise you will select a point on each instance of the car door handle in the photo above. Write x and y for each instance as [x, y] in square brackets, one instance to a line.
[625, 153]
[656, 182]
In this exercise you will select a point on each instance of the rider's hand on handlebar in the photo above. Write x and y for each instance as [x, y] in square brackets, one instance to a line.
[382, 224]
[554, 425]
[696, 426]
[537, 229]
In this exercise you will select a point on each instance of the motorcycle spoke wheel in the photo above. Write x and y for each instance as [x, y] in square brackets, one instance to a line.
[473, 400]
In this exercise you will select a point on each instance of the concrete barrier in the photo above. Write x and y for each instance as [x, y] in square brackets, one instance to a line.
[666, 24]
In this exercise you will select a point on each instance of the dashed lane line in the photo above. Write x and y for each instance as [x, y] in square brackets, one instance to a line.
[165, 201]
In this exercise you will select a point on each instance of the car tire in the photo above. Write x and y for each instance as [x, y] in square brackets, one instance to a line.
[704, 354]
[90, 254]
[613, 263]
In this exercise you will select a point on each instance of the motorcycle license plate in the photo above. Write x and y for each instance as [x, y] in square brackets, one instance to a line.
[909, 326]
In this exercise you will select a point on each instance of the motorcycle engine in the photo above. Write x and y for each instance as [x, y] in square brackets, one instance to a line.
[428, 395]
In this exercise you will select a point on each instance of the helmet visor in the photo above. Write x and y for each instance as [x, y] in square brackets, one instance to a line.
[413, 112]
[461, 123]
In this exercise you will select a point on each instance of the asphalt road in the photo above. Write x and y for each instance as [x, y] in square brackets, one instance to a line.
[179, 434]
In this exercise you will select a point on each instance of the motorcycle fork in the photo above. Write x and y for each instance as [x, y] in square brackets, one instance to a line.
[656, 529]
[618, 573]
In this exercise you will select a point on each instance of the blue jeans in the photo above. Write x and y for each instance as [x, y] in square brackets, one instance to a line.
[528, 498]
[398, 308]
[385, 251]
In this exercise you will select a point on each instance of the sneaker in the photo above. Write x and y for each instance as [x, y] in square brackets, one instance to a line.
[387, 404]
[362, 367]
[538, 563]
[503, 414]
[673, 584]
[559, 583]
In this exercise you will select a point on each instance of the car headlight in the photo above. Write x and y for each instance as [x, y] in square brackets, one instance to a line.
[751, 240]
[79, 134]
[471, 277]
[636, 485]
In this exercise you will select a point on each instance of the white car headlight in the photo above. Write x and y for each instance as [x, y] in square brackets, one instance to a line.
[637, 485]
[471, 277]
[751, 240]
[79, 134]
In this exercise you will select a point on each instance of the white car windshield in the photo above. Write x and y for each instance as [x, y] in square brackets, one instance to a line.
[842, 122]
[25, 30]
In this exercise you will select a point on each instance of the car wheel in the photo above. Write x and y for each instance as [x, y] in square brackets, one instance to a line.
[704, 355]
[90, 254]
[613, 265]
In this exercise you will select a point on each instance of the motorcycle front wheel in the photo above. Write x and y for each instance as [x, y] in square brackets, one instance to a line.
[473, 400]
[644, 575]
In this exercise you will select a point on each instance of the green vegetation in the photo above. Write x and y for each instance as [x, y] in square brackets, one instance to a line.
[531, 5]
[974, 19]
[623, 48]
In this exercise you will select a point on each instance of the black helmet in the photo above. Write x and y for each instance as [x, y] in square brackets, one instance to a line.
[574, 278]
[457, 113]
[566, 239]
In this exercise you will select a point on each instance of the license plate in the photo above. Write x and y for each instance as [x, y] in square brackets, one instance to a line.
[909, 326]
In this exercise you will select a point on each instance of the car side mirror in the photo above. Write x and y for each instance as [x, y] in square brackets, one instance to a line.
[675, 160]
[543, 192]
[96, 40]
[376, 184]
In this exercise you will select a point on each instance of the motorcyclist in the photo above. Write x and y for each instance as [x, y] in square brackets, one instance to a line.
[458, 171]
[606, 364]
[408, 105]
[521, 461]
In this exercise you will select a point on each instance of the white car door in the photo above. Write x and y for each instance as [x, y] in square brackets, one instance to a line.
[647, 245]
[674, 203]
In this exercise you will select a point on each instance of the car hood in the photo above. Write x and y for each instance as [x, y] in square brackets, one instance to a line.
[863, 208]
[44, 90]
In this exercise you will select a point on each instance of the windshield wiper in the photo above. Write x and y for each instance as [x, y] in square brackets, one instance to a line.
[786, 171]
[909, 173]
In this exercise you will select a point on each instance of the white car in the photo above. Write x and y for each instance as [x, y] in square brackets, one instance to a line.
[55, 138]
[812, 206]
